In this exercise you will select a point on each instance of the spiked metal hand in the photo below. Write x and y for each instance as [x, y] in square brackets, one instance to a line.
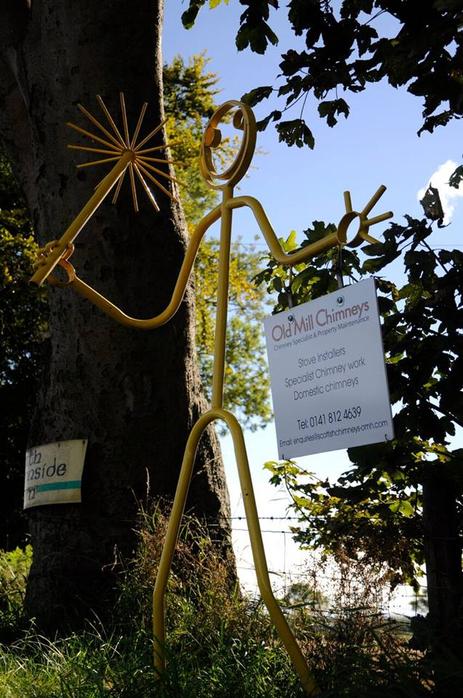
[364, 222]
[127, 153]
[141, 163]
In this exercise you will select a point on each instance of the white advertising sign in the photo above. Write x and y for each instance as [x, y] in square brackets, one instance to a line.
[327, 371]
[54, 473]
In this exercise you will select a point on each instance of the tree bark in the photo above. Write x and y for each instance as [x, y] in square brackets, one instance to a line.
[444, 578]
[133, 395]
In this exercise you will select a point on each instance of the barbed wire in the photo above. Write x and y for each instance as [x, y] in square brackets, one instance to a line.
[263, 530]
[266, 518]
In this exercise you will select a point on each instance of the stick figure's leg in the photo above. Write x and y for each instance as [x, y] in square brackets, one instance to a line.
[257, 547]
[173, 528]
[260, 561]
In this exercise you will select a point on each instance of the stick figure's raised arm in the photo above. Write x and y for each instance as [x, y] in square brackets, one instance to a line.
[337, 238]
[130, 156]
[83, 289]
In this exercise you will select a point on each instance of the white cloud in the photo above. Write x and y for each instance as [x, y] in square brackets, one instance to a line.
[448, 195]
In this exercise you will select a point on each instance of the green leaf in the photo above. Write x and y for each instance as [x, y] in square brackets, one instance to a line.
[189, 16]
[374, 250]
[291, 241]
[257, 95]
[329, 109]
[255, 35]
[295, 132]
[394, 359]
[456, 177]
[373, 265]
[432, 205]
[402, 506]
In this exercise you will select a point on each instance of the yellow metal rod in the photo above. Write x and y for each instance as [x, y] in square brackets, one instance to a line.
[224, 209]
[223, 283]
[110, 119]
[95, 122]
[90, 135]
[348, 201]
[81, 219]
[374, 200]
[138, 126]
[149, 136]
[146, 188]
[94, 150]
[155, 147]
[257, 547]
[117, 188]
[161, 160]
[124, 119]
[170, 542]
[271, 239]
[141, 160]
[117, 314]
[260, 562]
[101, 161]
[133, 188]
[378, 219]
[154, 180]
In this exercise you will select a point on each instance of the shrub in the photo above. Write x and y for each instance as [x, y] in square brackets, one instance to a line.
[14, 569]
[219, 643]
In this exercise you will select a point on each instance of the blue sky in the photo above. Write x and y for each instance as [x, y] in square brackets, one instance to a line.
[376, 145]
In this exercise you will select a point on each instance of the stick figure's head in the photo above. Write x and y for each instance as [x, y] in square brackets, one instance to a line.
[243, 120]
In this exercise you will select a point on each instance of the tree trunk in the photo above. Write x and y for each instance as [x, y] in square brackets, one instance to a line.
[133, 395]
[444, 579]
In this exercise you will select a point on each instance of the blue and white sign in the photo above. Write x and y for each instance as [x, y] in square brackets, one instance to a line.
[327, 371]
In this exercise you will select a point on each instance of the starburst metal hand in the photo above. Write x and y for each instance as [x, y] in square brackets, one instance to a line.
[364, 222]
[129, 155]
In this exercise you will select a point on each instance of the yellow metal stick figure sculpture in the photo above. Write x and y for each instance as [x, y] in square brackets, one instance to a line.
[130, 155]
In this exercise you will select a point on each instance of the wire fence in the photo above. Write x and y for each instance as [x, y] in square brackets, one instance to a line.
[289, 566]
[289, 575]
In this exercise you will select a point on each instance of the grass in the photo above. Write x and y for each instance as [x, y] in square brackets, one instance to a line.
[220, 644]
[87, 666]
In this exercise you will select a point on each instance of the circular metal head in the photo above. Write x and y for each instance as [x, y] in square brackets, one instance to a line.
[243, 119]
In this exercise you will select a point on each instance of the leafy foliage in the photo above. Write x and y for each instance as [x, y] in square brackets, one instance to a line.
[22, 333]
[14, 570]
[353, 43]
[375, 510]
[189, 92]
[218, 642]
[456, 177]
[189, 16]
[357, 521]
